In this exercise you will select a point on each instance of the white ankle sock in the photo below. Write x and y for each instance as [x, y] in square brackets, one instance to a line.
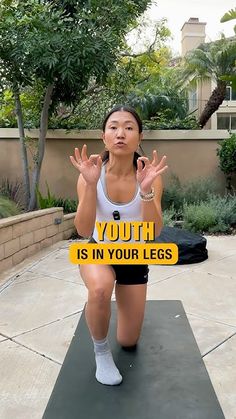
[106, 372]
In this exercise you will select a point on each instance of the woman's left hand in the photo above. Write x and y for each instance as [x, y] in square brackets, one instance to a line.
[147, 174]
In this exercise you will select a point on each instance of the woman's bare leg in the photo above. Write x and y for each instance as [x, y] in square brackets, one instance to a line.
[131, 301]
[99, 280]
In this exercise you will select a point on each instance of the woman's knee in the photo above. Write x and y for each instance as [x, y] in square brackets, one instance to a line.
[128, 342]
[99, 282]
[99, 294]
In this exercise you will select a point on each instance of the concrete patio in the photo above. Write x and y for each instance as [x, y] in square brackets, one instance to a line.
[41, 301]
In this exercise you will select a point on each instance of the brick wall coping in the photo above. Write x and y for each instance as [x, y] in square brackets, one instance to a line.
[4, 222]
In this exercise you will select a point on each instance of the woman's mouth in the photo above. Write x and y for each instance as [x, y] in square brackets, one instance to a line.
[120, 144]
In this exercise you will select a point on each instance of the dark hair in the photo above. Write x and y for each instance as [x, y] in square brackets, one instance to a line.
[123, 108]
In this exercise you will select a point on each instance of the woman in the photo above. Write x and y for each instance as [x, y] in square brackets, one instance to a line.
[131, 185]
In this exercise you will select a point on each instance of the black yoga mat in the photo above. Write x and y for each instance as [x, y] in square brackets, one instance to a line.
[165, 378]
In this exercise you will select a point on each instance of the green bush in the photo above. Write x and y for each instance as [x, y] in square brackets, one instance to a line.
[173, 195]
[225, 213]
[191, 192]
[227, 156]
[199, 205]
[218, 215]
[69, 205]
[50, 201]
[199, 217]
[169, 217]
[199, 190]
[12, 190]
[162, 122]
[8, 207]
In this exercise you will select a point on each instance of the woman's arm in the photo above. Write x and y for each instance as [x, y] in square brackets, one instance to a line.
[86, 210]
[90, 171]
[151, 210]
[148, 177]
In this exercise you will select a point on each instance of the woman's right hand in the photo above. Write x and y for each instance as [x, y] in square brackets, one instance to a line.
[90, 168]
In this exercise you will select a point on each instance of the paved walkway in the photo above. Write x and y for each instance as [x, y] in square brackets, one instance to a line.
[41, 302]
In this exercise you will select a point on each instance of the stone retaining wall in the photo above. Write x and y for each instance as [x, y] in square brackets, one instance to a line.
[23, 235]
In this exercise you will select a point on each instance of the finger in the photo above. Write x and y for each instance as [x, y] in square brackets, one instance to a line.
[84, 152]
[162, 170]
[145, 160]
[163, 158]
[94, 158]
[162, 163]
[139, 166]
[73, 161]
[99, 162]
[77, 155]
[155, 159]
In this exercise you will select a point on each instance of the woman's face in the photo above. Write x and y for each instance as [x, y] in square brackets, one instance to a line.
[121, 135]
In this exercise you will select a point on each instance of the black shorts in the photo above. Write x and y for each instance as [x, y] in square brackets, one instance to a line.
[129, 274]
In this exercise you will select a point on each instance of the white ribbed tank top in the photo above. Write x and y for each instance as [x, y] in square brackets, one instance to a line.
[130, 211]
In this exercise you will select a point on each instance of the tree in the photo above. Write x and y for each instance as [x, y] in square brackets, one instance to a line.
[15, 74]
[142, 80]
[18, 22]
[130, 71]
[230, 15]
[160, 95]
[213, 60]
[66, 45]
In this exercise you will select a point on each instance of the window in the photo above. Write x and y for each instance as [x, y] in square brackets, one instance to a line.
[230, 93]
[226, 121]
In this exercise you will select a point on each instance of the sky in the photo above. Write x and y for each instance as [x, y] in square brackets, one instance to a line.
[178, 12]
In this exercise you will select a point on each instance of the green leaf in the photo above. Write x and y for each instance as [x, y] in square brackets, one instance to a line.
[229, 15]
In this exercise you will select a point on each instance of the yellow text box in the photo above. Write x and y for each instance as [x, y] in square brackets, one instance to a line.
[124, 254]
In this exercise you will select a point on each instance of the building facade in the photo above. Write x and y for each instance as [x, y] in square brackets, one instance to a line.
[193, 34]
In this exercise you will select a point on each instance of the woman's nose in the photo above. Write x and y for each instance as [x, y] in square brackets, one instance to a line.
[120, 132]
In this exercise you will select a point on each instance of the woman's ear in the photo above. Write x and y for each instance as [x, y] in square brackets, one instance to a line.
[140, 139]
[104, 142]
[103, 139]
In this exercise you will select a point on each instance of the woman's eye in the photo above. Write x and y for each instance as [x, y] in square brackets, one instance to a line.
[130, 128]
[113, 127]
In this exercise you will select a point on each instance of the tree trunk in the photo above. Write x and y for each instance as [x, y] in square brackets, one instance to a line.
[24, 157]
[215, 100]
[41, 146]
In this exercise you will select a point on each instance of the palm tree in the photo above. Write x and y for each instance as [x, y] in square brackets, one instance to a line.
[161, 94]
[230, 15]
[214, 60]
[152, 103]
